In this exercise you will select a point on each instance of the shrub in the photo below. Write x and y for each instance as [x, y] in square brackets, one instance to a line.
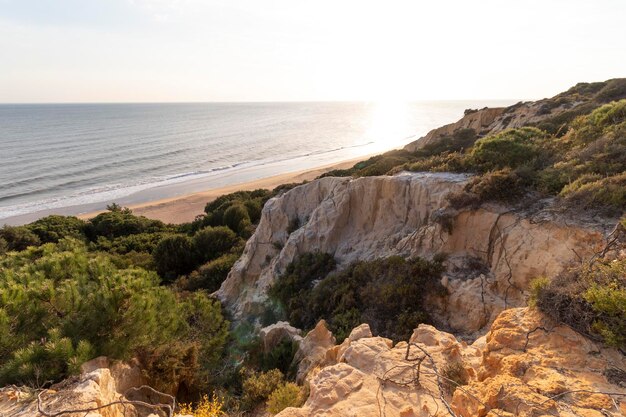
[502, 185]
[455, 375]
[206, 407]
[174, 256]
[122, 222]
[18, 238]
[294, 287]
[589, 298]
[237, 218]
[43, 361]
[286, 395]
[592, 191]
[209, 276]
[211, 242]
[258, 386]
[386, 293]
[54, 228]
[508, 149]
[90, 302]
[141, 242]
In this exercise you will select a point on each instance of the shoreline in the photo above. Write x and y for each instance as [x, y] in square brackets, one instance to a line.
[185, 208]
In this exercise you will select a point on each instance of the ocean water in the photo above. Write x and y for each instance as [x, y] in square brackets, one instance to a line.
[72, 158]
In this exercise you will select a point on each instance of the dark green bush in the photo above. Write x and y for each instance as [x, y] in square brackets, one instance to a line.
[141, 242]
[122, 222]
[386, 293]
[174, 256]
[209, 276]
[211, 242]
[51, 229]
[18, 238]
[237, 218]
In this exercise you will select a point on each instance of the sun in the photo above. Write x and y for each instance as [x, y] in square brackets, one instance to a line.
[388, 124]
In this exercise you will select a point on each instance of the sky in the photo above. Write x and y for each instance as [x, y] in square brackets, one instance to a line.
[296, 50]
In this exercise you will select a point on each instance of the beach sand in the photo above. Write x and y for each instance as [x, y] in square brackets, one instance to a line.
[185, 208]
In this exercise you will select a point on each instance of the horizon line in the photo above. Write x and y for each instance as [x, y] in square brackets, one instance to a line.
[258, 101]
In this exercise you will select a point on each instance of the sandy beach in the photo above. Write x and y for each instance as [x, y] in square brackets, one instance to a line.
[185, 208]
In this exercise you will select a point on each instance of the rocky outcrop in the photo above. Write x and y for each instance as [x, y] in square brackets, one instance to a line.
[493, 253]
[580, 99]
[100, 383]
[524, 366]
[274, 334]
[480, 121]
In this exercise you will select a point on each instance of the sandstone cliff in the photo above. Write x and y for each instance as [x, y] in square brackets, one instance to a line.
[493, 253]
[524, 366]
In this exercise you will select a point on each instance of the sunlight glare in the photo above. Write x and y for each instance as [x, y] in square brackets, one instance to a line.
[389, 126]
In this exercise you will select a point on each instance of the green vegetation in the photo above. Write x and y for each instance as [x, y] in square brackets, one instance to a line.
[125, 286]
[385, 293]
[578, 155]
[61, 304]
[286, 395]
[591, 298]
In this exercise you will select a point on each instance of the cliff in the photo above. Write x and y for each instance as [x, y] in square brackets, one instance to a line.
[493, 252]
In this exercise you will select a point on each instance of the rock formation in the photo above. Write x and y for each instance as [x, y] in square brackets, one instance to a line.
[524, 366]
[100, 383]
[552, 111]
[493, 253]
[480, 121]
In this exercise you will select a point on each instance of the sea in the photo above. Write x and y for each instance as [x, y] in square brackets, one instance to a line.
[77, 158]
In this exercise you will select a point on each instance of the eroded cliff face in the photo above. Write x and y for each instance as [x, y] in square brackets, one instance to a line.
[524, 366]
[493, 253]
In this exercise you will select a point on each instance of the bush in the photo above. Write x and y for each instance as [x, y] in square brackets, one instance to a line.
[502, 185]
[237, 218]
[455, 375]
[174, 256]
[18, 238]
[209, 276]
[53, 228]
[294, 287]
[508, 149]
[141, 242]
[206, 407]
[286, 395]
[96, 309]
[386, 293]
[591, 191]
[589, 298]
[212, 242]
[122, 222]
[258, 386]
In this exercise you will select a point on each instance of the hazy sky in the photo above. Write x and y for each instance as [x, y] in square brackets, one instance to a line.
[266, 50]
